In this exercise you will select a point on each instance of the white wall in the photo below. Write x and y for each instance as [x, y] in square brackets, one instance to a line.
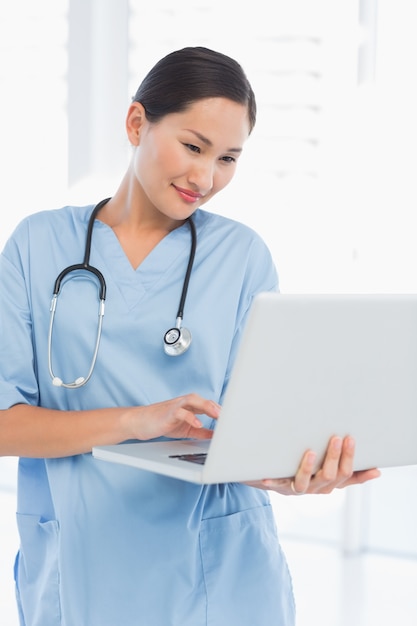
[328, 177]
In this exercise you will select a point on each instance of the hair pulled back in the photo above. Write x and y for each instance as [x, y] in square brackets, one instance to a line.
[192, 74]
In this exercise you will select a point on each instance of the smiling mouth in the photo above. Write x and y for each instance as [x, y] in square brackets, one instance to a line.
[187, 194]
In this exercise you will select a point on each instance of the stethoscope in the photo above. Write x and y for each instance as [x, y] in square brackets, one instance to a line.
[176, 340]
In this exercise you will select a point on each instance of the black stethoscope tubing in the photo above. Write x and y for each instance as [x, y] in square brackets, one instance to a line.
[85, 265]
[176, 340]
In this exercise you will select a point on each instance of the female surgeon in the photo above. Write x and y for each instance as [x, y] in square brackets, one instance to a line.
[109, 545]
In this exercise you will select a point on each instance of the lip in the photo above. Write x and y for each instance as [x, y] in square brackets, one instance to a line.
[187, 194]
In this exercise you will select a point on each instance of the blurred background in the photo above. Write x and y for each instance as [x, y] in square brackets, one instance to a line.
[327, 178]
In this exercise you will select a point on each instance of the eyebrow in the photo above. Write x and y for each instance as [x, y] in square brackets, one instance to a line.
[207, 141]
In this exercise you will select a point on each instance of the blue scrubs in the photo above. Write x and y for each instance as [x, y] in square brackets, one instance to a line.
[107, 545]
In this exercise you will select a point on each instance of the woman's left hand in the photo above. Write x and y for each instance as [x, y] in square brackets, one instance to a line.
[335, 472]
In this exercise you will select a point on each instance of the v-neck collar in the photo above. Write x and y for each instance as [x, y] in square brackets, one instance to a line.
[134, 284]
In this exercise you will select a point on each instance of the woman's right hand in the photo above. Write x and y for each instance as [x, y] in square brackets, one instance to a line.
[175, 418]
[38, 432]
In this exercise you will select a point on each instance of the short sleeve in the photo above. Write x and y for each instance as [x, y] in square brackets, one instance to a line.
[18, 383]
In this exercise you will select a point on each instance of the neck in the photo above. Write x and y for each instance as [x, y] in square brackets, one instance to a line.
[130, 210]
[138, 227]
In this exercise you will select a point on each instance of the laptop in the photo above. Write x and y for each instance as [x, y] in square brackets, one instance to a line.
[308, 367]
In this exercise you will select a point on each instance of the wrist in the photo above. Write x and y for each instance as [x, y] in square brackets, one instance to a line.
[128, 423]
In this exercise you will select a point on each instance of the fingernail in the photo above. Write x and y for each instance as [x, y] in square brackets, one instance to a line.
[311, 458]
[350, 443]
[217, 408]
[337, 444]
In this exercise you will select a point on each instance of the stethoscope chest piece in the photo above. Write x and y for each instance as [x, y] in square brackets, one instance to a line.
[177, 341]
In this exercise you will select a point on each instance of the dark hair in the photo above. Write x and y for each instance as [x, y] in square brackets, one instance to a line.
[191, 74]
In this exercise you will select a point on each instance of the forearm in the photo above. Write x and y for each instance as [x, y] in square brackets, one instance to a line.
[38, 432]
[47, 433]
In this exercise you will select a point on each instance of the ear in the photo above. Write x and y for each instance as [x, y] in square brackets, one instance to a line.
[135, 121]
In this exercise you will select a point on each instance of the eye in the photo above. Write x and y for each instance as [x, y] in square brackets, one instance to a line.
[192, 147]
[228, 159]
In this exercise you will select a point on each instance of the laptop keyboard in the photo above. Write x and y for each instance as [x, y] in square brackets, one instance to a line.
[197, 457]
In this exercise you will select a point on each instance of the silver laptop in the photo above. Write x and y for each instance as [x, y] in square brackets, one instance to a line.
[309, 367]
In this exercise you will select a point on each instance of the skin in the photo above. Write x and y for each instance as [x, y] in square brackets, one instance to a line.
[177, 165]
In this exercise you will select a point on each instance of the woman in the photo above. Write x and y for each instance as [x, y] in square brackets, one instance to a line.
[106, 545]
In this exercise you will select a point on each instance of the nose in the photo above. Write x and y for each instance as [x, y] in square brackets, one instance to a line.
[202, 176]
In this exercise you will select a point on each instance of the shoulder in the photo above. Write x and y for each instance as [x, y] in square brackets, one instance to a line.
[46, 231]
[214, 228]
[237, 248]
[53, 219]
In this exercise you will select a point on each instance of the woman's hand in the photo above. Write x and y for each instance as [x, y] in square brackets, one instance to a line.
[175, 418]
[37, 432]
[336, 471]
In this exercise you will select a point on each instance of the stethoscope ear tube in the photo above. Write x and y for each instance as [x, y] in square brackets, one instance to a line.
[86, 267]
[81, 380]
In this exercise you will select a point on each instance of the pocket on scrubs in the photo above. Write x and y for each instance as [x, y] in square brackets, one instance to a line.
[37, 571]
[245, 572]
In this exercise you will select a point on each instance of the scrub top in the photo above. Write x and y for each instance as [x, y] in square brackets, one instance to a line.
[109, 545]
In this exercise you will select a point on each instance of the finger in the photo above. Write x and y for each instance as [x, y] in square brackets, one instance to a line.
[200, 405]
[330, 467]
[188, 416]
[184, 424]
[275, 484]
[362, 476]
[346, 458]
[188, 410]
[301, 480]
[201, 433]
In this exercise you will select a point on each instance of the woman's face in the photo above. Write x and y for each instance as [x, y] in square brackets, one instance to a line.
[186, 158]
